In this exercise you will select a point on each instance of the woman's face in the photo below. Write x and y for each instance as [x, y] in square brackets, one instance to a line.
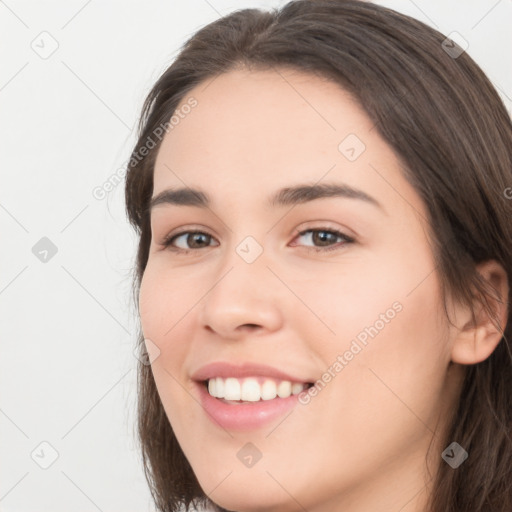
[261, 309]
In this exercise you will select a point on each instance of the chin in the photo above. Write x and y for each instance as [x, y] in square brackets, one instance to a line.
[244, 490]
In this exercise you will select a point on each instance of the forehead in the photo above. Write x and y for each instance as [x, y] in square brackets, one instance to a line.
[251, 132]
[263, 116]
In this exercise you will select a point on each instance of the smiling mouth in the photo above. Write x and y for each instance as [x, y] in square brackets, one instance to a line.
[255, 389]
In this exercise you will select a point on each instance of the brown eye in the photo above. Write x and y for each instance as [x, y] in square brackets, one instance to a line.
[325, 238]
[191, 240]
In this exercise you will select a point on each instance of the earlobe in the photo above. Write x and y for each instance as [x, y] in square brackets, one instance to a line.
[478, 337]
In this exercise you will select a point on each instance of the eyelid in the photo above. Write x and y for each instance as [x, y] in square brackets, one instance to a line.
[324, 225]
[187, 229]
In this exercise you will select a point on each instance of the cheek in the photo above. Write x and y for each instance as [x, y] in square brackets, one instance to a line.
[163, 305]
[384, 316]
[164, 298]
[360, 296]
[386, 389]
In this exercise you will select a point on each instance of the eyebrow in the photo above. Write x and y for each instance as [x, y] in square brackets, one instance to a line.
[297, 194]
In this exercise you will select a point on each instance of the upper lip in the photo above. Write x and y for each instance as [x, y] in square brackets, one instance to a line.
[224, 369]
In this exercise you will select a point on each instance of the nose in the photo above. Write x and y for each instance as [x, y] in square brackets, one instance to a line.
[245, 299]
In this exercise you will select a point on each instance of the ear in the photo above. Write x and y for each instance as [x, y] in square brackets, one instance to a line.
[477, 338]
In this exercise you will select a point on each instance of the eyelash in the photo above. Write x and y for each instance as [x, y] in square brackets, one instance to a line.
[167, 242]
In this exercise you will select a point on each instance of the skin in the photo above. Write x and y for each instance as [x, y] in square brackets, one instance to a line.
[361, 443]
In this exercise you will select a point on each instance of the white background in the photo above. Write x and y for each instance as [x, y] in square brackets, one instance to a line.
[68, 325]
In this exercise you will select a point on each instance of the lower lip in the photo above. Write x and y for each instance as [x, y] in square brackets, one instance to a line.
[244, 415]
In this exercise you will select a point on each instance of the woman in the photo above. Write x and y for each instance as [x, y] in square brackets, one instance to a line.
[322, 194]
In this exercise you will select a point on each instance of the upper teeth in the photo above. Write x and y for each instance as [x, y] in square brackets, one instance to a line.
[249, 389]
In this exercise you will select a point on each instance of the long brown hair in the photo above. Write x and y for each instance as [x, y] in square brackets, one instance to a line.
[449, 128]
